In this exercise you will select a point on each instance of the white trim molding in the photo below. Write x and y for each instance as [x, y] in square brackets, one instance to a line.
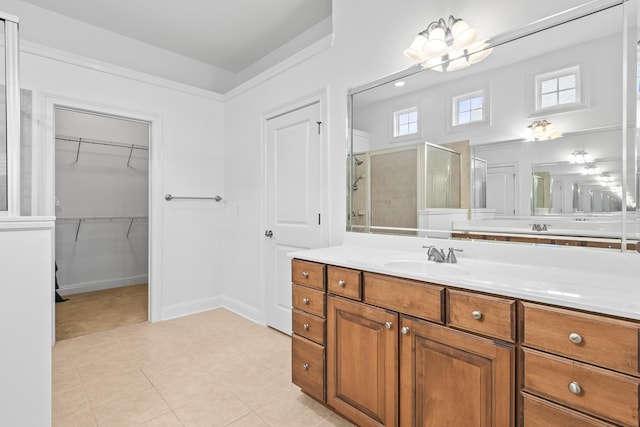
[99, 285]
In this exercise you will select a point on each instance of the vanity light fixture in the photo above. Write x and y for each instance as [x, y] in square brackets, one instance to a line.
[542, 130]
[590, 169]
[606, 178]
[580, 157]
[447, 46]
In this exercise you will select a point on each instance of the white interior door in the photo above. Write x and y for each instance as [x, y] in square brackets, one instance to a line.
[293, 203]
[501, 188]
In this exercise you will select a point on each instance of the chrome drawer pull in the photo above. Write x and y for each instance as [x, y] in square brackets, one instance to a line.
[305, 300]
[305, 366]
[305, 326]
[575, 388]
[476, 314]
[575, 338]
[388, 325]
[405, 330]
[341, 283]
[305, 274]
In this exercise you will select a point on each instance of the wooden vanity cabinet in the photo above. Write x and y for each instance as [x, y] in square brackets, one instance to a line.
[308, 354]
[452, 378]
[362, 362]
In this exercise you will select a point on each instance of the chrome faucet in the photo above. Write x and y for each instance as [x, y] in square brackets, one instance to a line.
[451, 256]
[435, 254]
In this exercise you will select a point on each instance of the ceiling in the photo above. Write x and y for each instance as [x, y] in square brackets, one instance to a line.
[228, 34]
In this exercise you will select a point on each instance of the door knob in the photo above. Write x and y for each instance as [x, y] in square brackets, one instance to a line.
[268, 233]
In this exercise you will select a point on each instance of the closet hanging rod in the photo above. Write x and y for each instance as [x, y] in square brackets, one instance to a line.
[81, 141]
[80, 219]
[169, 197]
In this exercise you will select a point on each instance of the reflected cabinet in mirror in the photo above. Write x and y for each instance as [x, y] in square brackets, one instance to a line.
[535, 143]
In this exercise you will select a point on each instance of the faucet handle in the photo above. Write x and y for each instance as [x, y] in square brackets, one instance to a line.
[430, 254]
[451, 256]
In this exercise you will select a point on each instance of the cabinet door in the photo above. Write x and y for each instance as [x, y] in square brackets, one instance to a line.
[452, 378]
[362, 362]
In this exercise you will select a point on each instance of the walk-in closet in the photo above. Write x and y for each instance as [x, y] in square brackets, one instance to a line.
[102, 222]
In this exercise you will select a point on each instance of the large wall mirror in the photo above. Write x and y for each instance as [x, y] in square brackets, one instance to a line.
[535, 143]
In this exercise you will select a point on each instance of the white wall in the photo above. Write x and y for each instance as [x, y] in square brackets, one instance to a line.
[26, 267]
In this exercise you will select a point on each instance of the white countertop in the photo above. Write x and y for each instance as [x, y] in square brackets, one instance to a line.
[612, 289]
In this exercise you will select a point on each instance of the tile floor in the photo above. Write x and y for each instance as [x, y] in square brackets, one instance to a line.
[209, 369]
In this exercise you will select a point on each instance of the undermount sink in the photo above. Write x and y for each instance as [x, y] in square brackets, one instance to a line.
[425, 267]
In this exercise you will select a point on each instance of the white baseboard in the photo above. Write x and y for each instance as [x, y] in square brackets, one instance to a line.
[98, 285]
[205, 304]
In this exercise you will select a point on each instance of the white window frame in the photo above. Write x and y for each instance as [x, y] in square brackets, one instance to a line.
[395, 114]
[556, 74]
[455, 103]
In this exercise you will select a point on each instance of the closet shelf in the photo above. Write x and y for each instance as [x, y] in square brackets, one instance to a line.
[80, 219]
[81, 141]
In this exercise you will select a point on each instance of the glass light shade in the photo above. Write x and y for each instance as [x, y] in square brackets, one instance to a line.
[434, 64]
[479, 51]
[580, 157]
[433, 48]
[590, 169]
[463, 34]
[437, 33]
[458, 64]
[414, 51]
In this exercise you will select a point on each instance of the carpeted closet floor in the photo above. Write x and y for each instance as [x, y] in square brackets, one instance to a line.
[97, 311]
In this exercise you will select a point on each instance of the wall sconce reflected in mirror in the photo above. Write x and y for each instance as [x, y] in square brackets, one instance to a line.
[447, 46]
[542, 130]
[590, 169]
[580, 157]
[606, 178]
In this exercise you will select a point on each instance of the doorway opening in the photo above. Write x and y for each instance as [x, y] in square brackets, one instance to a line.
[102, 221]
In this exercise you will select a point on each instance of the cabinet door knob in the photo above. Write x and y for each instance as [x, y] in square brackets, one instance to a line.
[305, 300]
[476, 314]
[405, 330]
[388, 325]
[305, 274]
[305, 326]
[575, 388]
[341, 283]
[305, 366]
[575, 338]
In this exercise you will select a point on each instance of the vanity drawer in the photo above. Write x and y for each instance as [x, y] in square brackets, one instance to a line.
[307, 366]
[308, 273]
[344, 282]
[602, 341]
[601, 393]
[542, 413]
[309, 300]
[483, 314]
[308, 326]
[425, 301]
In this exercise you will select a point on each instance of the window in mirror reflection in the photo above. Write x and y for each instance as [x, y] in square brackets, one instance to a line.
[469, 108]
[558, 88]
[405, 122]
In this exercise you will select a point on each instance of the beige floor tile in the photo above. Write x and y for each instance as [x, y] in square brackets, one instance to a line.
[293, 410]
[198, 385]
[167, 419]
[105, 351]
[83, 418]
[169, 367]
[64, 377]
[258, 390]
[116, 386]
[249, 420]
[68, 402]
[104, 369]
[212, 352]
[212, 412]
[133, 410]
[335, 421]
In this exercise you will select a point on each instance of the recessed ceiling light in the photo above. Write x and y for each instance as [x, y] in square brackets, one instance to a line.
[399, 83]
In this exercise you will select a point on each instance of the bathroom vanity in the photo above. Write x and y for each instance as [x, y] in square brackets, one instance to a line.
[387, 338]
